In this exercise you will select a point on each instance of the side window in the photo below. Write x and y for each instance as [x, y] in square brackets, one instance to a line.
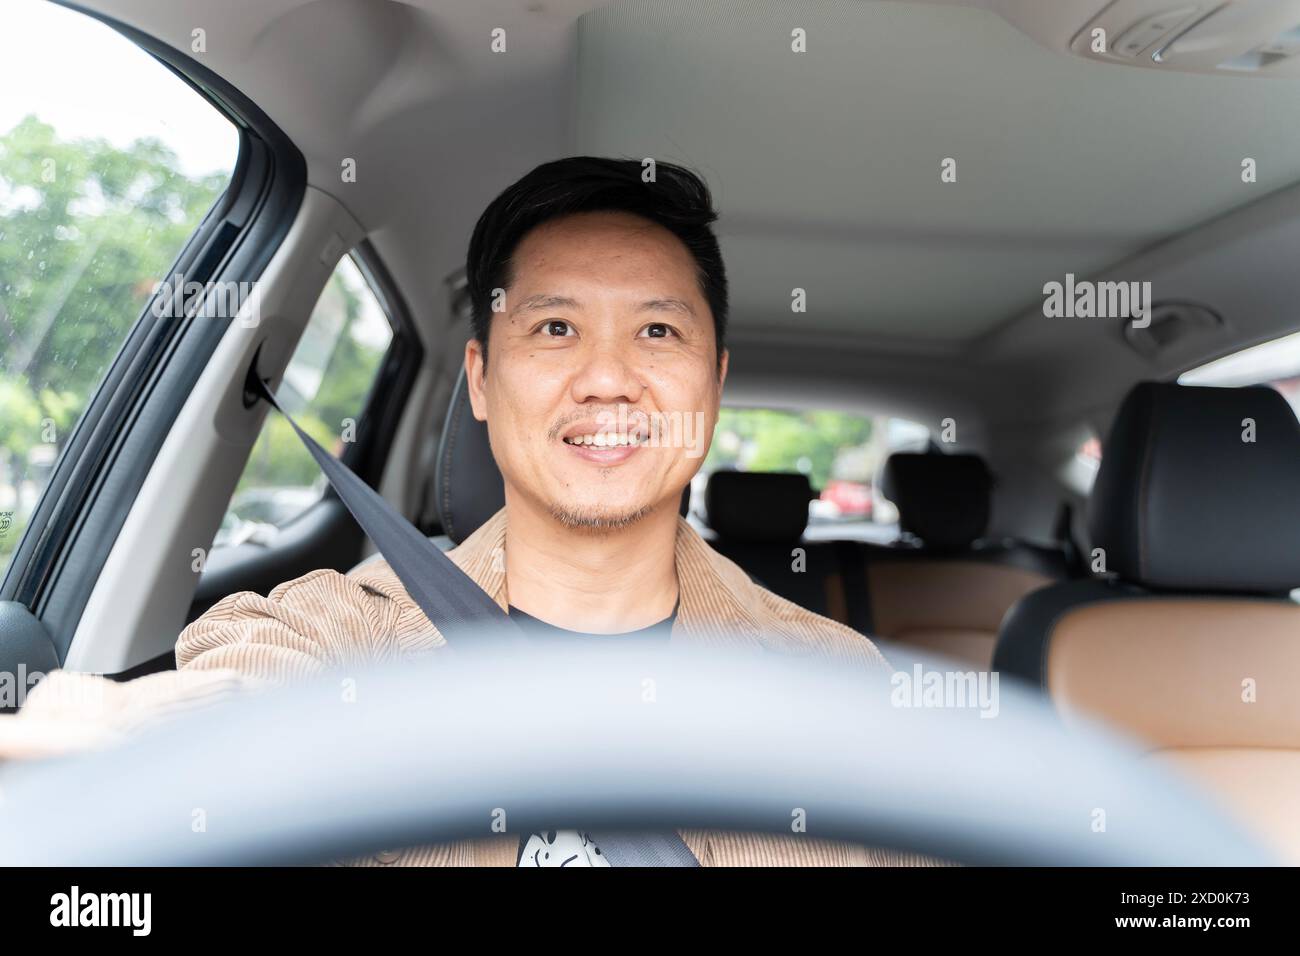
[1275, 363]
[108, 163]
[325, 388]
[1079, 471]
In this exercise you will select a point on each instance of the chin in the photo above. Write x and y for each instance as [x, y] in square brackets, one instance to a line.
[598, 517]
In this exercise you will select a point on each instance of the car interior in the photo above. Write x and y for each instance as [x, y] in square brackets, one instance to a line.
[1103, 508]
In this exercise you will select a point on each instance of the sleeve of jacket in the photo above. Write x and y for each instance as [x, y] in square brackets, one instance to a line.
[69, 711]
[320, 621]
[316, 622]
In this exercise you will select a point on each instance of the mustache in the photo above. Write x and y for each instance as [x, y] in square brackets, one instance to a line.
[608, 415]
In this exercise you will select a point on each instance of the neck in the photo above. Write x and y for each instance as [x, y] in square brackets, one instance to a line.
[599, 582]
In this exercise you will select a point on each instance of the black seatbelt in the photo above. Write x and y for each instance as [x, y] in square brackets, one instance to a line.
[644, 849]
[857, 585]
[446, 594]
[454, 603]
[1075, 565]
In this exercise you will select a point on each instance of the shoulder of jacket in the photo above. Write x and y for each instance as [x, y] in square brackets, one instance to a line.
[378, 579]
[290, 594]
[377, 576]
[817, 631]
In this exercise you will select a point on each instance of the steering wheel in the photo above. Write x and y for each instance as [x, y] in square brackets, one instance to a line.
[625, 738]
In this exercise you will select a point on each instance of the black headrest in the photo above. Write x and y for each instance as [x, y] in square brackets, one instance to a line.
[941, 499]
[467, 483]
[752, 506]
[1183, 501]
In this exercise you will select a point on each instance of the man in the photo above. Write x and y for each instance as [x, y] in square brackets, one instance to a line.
[599, 311]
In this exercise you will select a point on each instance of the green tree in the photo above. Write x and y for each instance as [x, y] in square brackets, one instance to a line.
[352, 364]
[760, 439]
[86, 231]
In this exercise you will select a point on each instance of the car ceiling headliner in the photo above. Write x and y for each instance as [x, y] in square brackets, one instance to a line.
[825, 164]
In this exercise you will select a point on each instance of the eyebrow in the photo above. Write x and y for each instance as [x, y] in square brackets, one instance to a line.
[666, 305]
[543, 301]
[536, 303]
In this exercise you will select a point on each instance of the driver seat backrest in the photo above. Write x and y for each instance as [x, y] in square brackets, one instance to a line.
[1193, 645]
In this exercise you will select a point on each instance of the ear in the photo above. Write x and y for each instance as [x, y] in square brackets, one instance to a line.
[722, 369]
[475, 373]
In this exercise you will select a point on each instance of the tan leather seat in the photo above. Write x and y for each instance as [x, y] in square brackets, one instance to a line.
[1193, 645]
[951, 607]
[945, 590]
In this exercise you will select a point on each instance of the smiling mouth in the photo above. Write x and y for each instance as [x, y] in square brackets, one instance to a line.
[606, 448]
[607, 440]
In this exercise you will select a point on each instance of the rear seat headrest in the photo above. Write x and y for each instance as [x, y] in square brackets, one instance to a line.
[755, 507]
[467, 484]
[941, 499]
[1183, 501]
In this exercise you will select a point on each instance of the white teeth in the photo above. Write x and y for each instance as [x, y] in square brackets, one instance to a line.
[605, 440]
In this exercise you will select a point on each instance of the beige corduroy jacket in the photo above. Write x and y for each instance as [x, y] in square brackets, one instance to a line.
[325, 619]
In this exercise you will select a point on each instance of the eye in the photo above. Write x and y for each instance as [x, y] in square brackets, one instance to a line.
[556, 328]
[657, 330]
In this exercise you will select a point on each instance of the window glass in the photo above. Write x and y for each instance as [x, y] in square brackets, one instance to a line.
[108, 163]
[1079, 471]
[325, 388]
[1275, 363]
[840, 452]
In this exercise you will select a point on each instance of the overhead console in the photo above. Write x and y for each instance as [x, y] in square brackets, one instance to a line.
[1237, 37]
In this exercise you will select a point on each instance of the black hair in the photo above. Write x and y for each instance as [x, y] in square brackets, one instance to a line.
[677, 199]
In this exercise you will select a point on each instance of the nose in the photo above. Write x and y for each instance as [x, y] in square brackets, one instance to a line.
[607, 376]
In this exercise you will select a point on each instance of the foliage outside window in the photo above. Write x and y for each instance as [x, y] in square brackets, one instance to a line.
[100, 188]
[840, 452]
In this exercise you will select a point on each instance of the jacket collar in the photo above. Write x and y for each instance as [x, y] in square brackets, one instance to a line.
[718, 604]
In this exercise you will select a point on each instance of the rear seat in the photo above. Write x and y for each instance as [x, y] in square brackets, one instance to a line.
[945, 588]
[949, 595]
[759, 519]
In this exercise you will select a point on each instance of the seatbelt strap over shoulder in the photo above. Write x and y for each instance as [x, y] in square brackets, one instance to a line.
[453, 602]
[446, 594]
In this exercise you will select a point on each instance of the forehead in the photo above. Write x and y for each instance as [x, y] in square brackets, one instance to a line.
[615, 246]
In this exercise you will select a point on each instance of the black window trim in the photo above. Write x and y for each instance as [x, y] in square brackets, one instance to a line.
[99, 473]
[386, 401]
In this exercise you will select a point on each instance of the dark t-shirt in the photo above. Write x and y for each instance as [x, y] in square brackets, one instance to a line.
[540, 629]
[566, 848]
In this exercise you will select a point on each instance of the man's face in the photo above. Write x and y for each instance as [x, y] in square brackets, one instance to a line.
[602, 383]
